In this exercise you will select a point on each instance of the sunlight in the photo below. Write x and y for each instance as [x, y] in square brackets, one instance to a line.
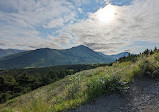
[106, 14]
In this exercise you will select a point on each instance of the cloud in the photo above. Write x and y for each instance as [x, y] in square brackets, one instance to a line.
[133, 22]
[24, 39]
[78, 3]
[19, 20]
[63, 39]
[69, 23]
[55, 23]
[80, 10]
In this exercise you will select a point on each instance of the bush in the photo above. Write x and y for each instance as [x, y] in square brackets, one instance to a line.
[104, 85]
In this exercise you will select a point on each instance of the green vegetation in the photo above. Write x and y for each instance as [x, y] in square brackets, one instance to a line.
[45, 57]
[85, 86]
[16, 82]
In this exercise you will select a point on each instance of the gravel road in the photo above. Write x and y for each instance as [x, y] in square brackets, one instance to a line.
[143, 96]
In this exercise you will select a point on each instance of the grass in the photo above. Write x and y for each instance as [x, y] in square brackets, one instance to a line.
[84, 86]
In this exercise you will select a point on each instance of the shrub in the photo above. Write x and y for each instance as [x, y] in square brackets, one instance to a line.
[104, 85]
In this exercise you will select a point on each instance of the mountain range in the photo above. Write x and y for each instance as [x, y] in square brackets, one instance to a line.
[52, 57]
[7, 52]
[122, 54]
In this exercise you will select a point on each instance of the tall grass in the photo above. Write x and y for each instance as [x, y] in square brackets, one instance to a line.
[99, 85]
[85, 86]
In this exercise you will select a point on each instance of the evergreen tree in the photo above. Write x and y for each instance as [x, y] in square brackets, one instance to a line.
[151, 52]
[147, 52]
[155, 49]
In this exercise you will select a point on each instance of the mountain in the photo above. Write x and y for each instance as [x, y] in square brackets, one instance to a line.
[50, 57]
[116, 56]
[7, 52]
[122, 54]
[72, 91]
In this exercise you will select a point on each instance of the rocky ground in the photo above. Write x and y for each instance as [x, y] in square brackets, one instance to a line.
[143, 96]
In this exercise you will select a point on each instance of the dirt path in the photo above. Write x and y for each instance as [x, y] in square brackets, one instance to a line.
[143, 96]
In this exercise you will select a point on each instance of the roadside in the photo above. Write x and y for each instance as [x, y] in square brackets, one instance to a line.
[143, 96]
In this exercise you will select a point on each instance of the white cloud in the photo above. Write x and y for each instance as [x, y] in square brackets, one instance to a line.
[63, 39]
[19, 20]
[134, 22]
[55, 23]
[80, 10]
[78, 3]
[24, 39]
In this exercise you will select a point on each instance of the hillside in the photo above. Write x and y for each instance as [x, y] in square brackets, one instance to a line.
[52, 57]
[85, 86]
[7, 52]
[16, 82]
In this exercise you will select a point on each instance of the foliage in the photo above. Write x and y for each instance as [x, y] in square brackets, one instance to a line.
[82, 87]
[98, 86]
[19, 81]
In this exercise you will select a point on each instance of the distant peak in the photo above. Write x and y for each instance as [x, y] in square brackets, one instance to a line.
[81, 46]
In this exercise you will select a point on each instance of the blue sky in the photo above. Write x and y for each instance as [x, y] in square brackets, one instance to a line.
[60, 24]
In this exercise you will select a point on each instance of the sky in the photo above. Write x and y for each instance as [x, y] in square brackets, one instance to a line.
[107, 26]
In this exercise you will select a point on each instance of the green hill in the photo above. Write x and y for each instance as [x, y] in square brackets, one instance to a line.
[84, 86]
[52, 57]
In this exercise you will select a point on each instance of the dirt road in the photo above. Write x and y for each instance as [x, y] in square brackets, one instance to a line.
[143, 96]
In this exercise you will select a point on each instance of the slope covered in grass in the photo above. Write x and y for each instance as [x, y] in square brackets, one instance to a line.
[85, 86]
[16, 82]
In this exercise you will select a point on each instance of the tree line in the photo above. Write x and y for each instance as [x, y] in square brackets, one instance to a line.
[133, 58]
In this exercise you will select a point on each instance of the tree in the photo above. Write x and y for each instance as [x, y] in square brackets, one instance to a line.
[151, 52]
[147, 52]
[155, 49]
